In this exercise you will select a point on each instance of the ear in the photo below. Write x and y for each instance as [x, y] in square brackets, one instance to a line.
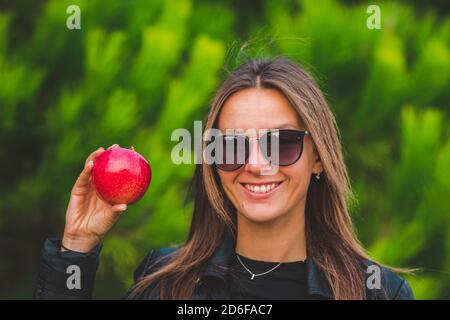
[317, 166]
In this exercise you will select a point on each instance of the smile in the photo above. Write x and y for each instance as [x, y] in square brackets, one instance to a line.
[261, 188]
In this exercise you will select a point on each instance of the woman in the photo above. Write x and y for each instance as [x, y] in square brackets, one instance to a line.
[264, 228]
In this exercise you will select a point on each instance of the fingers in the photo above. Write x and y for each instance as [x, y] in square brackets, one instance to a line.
[119, 208]
[95, 155]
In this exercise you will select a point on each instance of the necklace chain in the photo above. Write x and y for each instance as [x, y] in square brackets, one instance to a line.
[256, 274]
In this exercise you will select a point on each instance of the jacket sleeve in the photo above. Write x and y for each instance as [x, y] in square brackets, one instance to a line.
[66, 275]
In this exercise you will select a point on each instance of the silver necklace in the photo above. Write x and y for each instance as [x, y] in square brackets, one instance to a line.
[256, 274]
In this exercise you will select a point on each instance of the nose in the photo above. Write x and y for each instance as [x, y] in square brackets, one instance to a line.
[257, 163]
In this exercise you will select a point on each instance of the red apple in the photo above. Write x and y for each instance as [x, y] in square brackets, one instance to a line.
[121, 175]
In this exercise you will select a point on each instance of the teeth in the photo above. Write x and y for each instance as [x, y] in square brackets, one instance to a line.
[261, 188]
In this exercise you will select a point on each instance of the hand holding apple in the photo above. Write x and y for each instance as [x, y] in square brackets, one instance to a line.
[89, 217]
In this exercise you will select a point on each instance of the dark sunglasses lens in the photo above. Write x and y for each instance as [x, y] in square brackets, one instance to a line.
[289, 147]
[233, 153]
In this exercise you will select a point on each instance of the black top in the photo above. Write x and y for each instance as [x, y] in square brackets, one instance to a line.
[286, 282]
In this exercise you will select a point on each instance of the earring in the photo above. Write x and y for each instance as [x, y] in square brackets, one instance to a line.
[317, 176]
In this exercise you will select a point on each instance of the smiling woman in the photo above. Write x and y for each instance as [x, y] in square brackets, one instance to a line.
[247, 189]
[284, 235]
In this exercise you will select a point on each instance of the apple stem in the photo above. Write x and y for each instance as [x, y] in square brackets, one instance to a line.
[132, 148]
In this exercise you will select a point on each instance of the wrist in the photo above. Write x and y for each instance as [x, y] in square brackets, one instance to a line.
[77, 244]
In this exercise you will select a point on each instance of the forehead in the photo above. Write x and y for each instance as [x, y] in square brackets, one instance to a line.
[258, 109]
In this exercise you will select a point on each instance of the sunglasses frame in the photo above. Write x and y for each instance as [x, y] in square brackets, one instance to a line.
[300, 138]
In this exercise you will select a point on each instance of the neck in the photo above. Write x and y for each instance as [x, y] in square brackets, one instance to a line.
[283, 240]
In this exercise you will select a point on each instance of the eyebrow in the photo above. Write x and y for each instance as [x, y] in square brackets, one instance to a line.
[285, 126]
[277, 127]
[282, 126]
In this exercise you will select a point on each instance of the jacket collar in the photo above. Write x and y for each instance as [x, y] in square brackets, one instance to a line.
[217, 268]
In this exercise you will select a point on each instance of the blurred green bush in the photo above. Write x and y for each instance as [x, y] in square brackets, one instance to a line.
[139, 69]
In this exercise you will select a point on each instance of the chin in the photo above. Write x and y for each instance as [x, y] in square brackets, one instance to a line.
[261, 214]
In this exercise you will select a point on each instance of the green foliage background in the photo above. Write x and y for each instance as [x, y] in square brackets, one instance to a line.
[139, 69]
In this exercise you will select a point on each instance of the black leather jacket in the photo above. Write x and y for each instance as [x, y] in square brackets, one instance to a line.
[53, 275]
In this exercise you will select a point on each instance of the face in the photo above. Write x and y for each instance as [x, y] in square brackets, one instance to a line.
[252, 110]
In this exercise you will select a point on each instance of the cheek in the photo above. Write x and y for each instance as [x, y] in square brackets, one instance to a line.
[227, 180]
[299, 175]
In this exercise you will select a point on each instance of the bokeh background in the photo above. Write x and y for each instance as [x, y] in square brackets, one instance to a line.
[139, 69]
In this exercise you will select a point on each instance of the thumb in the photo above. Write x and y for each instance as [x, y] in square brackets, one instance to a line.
[83, 178]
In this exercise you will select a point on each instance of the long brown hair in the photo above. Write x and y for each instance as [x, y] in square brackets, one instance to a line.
[331, 240]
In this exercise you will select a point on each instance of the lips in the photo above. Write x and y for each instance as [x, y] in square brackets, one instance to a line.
[261, 189]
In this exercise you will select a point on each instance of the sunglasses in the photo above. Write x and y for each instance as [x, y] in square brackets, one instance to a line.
[235, 149]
